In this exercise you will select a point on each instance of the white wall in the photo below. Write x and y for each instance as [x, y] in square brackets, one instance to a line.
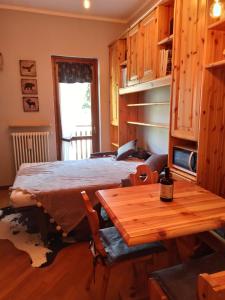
[38, 37]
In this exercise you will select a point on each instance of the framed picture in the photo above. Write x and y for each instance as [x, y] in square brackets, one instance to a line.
[28, 68]
[29, 86]
[30, 104]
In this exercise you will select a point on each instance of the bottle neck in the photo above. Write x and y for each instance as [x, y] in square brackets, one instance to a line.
[167, 172]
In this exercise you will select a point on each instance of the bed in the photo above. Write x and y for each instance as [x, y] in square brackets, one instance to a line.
[56, 186]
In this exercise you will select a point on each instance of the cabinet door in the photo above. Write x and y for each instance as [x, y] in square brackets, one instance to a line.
[132, 59]
[188, 68]
[148, 48]
[116, 57]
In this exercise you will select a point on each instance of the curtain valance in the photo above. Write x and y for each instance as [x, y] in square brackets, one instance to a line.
[74, 72]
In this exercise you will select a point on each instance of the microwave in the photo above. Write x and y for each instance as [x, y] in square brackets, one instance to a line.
[185, 158]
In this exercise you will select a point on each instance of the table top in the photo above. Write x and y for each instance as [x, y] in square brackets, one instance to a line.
[141, 217]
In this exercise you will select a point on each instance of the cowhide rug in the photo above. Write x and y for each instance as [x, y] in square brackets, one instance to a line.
[13, 227]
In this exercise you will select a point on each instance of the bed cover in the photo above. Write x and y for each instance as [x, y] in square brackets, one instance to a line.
[57, 185]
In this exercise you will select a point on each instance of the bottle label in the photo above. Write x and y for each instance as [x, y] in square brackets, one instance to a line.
[166, 191]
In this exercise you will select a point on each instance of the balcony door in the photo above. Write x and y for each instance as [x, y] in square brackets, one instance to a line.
[76, 107]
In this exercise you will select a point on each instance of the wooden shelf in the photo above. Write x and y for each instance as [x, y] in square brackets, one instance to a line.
[148, 104]
[167, 40]
[217, 64]
[124, 63]
[165, 2]
[114, 124]
[183, 173]
[158, 125]
[220, 25]
[159, 82]
[115, 145]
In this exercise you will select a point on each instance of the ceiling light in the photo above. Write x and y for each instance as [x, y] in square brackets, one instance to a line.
[87, 4]
[216, 9]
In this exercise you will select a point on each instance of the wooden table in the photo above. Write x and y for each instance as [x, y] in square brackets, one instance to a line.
[141, 217]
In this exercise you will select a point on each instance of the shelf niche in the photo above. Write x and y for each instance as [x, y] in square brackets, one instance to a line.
[145, 116]
[166, 41]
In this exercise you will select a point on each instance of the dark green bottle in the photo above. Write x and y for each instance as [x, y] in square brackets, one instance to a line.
[166, 187]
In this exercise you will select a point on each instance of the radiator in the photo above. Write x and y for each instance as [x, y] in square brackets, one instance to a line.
[29, 147]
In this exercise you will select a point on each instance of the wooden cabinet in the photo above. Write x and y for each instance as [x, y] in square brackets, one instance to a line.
[187, 68]
[132, 55]
[116, 57]
[148, 48]
[117, 53]
[211, 166]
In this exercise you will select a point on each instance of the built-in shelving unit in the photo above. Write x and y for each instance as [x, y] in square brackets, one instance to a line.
[158, 125]
[147, 104]
[217, 64]
[159, 82]
[165, 41]
[142, 110]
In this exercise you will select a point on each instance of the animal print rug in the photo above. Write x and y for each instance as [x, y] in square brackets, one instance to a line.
[13, 227]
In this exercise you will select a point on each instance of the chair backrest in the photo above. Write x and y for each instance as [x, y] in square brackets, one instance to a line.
[144, 175]
[211, 286]
[94, 224]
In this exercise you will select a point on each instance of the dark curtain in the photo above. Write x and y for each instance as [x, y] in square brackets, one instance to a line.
[74, 72]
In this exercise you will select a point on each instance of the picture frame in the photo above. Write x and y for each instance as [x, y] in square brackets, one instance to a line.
[28, 68]
[30, 104]
[29, 86]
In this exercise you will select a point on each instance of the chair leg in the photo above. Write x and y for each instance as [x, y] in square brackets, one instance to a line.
[133, 287]
[91, 278]
[106, 276]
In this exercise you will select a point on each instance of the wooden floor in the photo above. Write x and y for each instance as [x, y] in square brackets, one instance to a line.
[4, 198]
[65, 278]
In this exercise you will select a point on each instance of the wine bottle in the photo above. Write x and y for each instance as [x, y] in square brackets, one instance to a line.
[166, 187]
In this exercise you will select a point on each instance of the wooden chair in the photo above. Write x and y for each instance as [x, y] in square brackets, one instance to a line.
[144, 175]
[108, 248]
[190, 281]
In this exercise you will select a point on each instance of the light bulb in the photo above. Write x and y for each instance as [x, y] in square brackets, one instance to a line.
[216, 9]
[87, 4]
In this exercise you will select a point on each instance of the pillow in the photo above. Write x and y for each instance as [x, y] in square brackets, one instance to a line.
[141, 154]
[126, 150]
[157, 162]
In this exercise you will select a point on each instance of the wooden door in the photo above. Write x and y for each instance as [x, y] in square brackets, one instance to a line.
[116, 57]
[148, 48]
[132, 56]
[187, 68]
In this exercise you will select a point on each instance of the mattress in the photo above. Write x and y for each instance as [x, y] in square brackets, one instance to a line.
[57, 185]
[21, 199]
